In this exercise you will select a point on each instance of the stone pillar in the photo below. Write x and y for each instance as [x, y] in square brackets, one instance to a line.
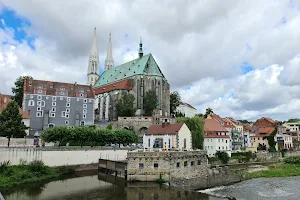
[107, 106]
[101, 107]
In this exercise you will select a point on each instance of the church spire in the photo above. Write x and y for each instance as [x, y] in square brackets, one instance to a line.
[94, 50]
[93, 65]
[141, 49]
[109, 61]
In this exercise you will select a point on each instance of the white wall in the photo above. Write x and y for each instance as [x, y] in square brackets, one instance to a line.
[185, 133]
[188, 111]
[26, 123]
[57, 158]
[212, 145]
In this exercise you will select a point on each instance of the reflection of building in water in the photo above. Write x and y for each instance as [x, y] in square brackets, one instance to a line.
[150, 191]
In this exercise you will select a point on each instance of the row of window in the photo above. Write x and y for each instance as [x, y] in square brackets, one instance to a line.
[212, 147]
[185, 164]
[39, 97]
[219, 140]
[51, 125]
[64, 114]
[42, 104]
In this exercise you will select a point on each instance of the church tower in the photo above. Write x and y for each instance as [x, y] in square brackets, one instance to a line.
[109, 61]
[93, 66]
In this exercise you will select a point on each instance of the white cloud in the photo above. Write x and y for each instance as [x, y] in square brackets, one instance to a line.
[3, 22]
[198, 44]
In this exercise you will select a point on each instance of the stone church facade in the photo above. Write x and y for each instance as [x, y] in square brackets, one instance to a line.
[137, 77]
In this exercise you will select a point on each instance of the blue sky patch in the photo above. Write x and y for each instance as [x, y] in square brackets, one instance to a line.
[246, 67]
[18, 24]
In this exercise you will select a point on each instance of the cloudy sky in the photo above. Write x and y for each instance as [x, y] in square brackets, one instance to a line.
[241, 58]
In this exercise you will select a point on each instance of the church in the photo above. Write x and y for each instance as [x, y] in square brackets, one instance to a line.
[136, 77]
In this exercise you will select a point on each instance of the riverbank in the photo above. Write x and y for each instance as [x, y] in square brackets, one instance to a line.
[32, 172]
[280, 170]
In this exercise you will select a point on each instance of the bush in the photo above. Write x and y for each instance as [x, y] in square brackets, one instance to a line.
[4, 165]
[292, 160]
[36, 166]
[243, 156]
[222, 156]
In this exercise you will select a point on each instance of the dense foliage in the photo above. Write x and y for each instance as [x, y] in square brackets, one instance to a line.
[243, 156]
[271, 140]
[261, 147]
[25, 173]
[11, 124]
[222, 156]
[86, 136]
[196, 126]
[125, 105]
[174, 102]
[292, 160]
[293, 120]
[243, 121]
[150, 102]
[18, 90]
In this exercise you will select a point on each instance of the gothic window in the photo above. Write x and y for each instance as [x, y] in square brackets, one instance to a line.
[82, 123]
[30, 103]
[159, 94]
[153, 85]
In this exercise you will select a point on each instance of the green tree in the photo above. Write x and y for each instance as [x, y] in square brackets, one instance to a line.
[18, 90]
[196, 126]
[199, 115]
[222, 156]
[125, 105]
[175, 100]
[208, 111]
[179, 114]
[261, 147]
[150, 102]
[293, 120]
[11, 124]
[271, 140]
[245, 121]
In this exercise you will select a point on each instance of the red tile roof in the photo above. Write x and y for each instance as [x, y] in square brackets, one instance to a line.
[265, 131]
[164, 129]
[5, 99]
[121, 85]
[32, 86]
[270, 120]
[213, 125]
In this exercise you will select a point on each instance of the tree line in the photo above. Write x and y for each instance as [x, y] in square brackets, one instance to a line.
[88, 136]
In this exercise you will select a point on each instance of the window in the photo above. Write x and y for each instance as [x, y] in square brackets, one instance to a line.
[43, 103]
[67, 122]
[84, 110]
[53, 109]
[68, 99]
[84, 116]
[67, 110]
[39, 114]
[84, 105]
[63, 113]
[61, 98]
[51, 125]
[30, 103]
[222, 140]
[39, 103]
[178, 164]
[38, 108]
[192, 163]
[67, 115]
[39, 97]
[53, 103]
[52, 114]
[226, 141]
[219, 147]
[40, 91]
[51, 86]
[31, 96]
[141, 165]
[68, 105]
[199, 162]
[53, 98]
[185, 163]
[82, 123]
[81, 94]
[85, 101]
[155, 165]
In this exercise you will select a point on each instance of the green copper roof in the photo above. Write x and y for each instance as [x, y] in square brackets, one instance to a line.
[145, 65]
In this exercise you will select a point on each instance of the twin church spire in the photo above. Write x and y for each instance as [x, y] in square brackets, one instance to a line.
[93, 66]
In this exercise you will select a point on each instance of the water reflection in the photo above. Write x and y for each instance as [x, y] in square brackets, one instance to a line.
[85, 186]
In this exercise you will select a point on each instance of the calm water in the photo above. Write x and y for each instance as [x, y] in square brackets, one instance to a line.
[286, 188]
[98, 187]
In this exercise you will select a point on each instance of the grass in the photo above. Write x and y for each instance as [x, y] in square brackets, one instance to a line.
[282, 170]
[34, 171]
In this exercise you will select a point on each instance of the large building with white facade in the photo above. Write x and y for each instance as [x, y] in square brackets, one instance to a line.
[186, 109]
[216, 138]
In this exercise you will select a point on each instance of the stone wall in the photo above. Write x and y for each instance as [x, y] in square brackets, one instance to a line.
[149, 166]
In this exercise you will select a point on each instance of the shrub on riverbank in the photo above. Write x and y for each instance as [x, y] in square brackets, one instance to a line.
[292, 160]
[26, 173]
[87, 136]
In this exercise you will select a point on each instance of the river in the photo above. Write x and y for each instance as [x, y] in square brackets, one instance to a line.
[91, 186]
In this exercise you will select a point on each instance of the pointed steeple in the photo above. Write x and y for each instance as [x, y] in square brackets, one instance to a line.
[141, 49]
[94, 50]
[93, 65]
[109, 61]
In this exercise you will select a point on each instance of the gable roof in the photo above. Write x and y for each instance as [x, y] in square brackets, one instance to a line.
[188, 105]
[121, 85]
[145, 65]
[213, 125]
[5, 99]
[270, 120]
[32, 86]
[265, 131]
[164, 129]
